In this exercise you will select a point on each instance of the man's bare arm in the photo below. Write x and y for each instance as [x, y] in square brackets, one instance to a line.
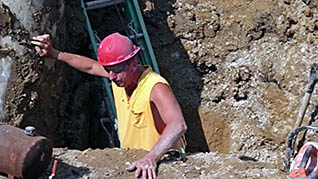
[170, 111]
[81, 63]
[171, 115]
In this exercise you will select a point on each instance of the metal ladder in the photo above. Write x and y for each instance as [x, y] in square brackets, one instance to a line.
[139, 35]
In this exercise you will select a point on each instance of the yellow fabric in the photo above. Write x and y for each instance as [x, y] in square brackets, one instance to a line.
[135, 120]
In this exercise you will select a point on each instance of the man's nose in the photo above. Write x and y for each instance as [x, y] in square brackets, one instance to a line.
[112, 75]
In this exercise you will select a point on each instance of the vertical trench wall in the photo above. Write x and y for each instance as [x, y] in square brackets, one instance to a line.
[62, 103]
[26, 80]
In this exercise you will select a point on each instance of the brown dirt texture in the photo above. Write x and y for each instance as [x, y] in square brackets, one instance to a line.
[237, 67]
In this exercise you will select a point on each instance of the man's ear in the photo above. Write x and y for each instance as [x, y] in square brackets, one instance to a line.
[134, 65]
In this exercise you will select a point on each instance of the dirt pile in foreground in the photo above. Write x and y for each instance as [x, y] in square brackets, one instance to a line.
[111, 163]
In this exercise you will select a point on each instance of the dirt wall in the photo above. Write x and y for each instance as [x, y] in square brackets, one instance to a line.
[34, 84]
[238, 68]
[59, 101]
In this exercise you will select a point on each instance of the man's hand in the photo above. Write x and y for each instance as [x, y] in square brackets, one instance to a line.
[43, 46]
[145, 168]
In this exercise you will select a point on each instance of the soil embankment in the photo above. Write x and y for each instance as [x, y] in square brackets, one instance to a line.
[238, 69]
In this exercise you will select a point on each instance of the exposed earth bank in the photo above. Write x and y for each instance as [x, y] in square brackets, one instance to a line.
[238, 69]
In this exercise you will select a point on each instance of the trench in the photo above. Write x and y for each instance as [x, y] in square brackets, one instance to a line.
[76, 111]
[175, 66]
[89, 100]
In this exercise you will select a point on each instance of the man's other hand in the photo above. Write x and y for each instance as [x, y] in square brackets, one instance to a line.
[145, 168]
[43, 45]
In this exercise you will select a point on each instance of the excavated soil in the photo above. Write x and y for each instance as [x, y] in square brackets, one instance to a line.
[111, 163]
[238, 69]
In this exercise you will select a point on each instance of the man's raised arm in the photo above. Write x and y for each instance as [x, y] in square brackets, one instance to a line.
[81, 63]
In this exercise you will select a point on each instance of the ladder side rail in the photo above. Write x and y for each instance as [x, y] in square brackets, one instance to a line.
[136, 25]
[106, 81]
[146, 37]
[136, 16]
[146, 43]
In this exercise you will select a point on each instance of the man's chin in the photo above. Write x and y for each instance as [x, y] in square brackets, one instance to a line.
[120, 84]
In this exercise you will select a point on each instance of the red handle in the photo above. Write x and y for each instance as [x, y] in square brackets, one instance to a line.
[54, 167]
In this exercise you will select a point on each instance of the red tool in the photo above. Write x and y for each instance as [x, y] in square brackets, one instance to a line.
[53, 170]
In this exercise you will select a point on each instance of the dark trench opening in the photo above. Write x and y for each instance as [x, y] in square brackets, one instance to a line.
[88, 109]
[92, 124]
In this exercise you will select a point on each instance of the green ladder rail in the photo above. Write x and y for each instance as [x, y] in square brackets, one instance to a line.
[105, 80]
[135, 15]
[137, 29]
[138, 32]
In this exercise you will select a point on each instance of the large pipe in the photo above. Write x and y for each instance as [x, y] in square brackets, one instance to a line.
[21, 155]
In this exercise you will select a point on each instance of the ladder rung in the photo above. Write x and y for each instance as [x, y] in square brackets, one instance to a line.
[101, 3]
[137, 36]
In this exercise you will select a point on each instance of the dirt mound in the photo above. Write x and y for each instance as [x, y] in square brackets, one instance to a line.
[111, 163]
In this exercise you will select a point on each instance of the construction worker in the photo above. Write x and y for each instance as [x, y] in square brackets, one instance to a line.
[149, 116]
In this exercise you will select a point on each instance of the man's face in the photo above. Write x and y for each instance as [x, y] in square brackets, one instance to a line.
[120, 74]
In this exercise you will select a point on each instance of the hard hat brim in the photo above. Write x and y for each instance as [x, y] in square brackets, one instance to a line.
[132, 54]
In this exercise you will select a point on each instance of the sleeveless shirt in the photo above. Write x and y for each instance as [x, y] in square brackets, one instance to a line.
[135, 120]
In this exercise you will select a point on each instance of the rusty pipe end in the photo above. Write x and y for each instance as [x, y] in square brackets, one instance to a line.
[37, 159]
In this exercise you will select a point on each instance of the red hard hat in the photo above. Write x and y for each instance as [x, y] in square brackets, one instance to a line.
[116, 48]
